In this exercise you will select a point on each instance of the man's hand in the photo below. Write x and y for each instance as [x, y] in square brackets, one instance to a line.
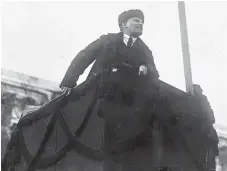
[142, 70]
[66, 90]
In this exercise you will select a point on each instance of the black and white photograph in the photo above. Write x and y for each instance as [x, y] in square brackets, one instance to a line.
[113, 86]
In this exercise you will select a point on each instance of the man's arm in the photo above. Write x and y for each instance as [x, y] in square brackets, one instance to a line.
[151, 65]
[83, 59]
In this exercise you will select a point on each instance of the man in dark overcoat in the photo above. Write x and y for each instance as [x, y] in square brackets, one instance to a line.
[124, 49]
[128, 81]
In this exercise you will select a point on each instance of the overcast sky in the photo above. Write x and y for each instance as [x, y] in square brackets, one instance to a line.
[41, 39]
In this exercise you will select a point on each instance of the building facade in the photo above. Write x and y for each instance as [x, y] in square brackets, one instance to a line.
[17, 91]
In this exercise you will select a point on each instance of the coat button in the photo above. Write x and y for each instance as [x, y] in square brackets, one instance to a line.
[119, 125]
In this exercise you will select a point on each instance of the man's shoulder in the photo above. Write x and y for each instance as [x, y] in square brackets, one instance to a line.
[143, 44]
[109, 36]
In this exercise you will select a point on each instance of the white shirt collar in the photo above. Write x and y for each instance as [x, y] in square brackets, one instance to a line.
[126, 38]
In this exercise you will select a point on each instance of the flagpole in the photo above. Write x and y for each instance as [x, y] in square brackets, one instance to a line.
[185, 47]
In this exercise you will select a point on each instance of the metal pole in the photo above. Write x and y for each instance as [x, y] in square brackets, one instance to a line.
[185, 47]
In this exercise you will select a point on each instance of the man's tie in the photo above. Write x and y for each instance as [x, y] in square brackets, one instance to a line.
[130, 42]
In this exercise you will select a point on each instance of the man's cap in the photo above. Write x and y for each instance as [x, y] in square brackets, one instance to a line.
[197, 87]
[124, 16]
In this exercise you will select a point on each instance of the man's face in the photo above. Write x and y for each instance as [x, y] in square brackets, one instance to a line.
[133, 27]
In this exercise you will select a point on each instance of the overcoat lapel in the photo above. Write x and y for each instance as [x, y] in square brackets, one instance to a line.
[106, 54]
